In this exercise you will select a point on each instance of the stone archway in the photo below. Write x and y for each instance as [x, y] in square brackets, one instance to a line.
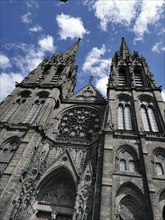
[56, 196]
[129, 209]
[130, 203]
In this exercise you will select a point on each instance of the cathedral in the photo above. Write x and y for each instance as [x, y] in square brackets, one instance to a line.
[79, 156]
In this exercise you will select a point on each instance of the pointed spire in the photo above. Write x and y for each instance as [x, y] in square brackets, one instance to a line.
[124, 50]
[72, 51]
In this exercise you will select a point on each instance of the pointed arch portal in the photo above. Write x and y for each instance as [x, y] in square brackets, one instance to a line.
[56, 197]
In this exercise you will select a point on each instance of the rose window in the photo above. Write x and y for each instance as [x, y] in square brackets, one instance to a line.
[80, 122]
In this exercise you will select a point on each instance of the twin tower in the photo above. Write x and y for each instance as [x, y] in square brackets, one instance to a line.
[77, 156]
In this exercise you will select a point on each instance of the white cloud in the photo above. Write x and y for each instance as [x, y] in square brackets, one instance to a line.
[151, 13]
[163, 94]
[36, 28]
[26, 18]
[95, 64]
[4, 62]
[47, 43]
[101, 84]
[28, 56]
[32, 4]
[118, 12]
[137, 16]
[158, 47]
[70, 27]
[7, 83]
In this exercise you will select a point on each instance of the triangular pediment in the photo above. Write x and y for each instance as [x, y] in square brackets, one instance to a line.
[88, 94]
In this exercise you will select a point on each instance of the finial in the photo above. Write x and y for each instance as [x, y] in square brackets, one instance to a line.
[90, 79]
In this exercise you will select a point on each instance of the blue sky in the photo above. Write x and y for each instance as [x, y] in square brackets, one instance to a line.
[32, 30]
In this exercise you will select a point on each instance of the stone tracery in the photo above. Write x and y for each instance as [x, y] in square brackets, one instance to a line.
[81, 123]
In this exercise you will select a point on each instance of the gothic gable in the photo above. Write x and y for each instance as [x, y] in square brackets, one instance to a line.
[88, 94]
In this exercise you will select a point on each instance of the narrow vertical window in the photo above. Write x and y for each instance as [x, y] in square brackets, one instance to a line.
[145, 119]
[34, 111]
[159, 160]
[122, 165]
[158, 169]
[39, 106]
[138, 78]
[122, 78]
[11, 112]
[127, 118]
[56, 76]
[132, 166]
[120, 117]
[152, 119]
[31, 113]
[7, 151]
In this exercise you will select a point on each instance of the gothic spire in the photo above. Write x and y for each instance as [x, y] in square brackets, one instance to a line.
[124, 50]
[71, 53]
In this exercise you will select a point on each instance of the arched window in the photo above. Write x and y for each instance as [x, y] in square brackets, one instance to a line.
[159, 163]
[145, 119]
[6, 152]
[152, 119]
[149, 118]
[120, 117]
[36, 108]
[127, 117]
[129, 209]
[44, 73]
[16, 106]
[127, 161]
[122, 77]
[124, 117]
[56, 76]
[138, 77]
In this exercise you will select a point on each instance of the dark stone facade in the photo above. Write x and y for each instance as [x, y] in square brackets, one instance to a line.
[69, 156]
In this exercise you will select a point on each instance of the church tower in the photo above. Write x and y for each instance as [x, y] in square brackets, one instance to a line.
[78, 156]
[133, 178]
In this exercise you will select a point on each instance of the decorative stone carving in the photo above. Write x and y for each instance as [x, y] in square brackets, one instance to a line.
[60, 195]
[82, 123]
[84, 196]
[87, 95]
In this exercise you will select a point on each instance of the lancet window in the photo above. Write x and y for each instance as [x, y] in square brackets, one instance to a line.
[124, 116]
[44, 73]
[138, 77]
[56, 76]
[122, 78]
[148, 115]
[127, 162]
[6, 152]
[36, 108]
[159, 163]
[16, 106]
